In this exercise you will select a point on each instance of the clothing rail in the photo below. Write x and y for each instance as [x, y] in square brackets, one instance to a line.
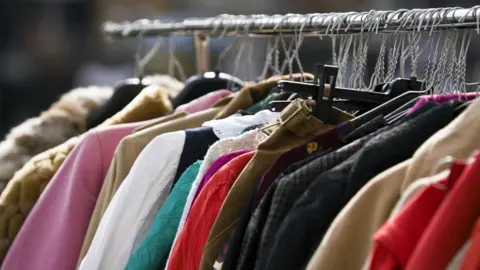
[309, 24]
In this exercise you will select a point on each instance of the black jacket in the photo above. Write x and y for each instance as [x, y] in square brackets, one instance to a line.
[307, 222]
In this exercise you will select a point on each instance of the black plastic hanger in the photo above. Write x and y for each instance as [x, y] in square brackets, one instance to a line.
[325, 91]
[388, 106]
[279, 105]
[124, 92]
[201, 84]
[382, 92]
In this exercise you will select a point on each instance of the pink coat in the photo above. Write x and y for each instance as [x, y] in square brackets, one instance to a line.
[53, 233]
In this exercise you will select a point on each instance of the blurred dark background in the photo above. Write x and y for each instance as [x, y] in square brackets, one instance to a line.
[50, 46]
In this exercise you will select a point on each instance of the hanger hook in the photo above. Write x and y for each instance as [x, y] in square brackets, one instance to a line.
[225, 20]
[298, 40]
[249, 20]
[367, 22]
[346, 17]
[278, 27]
[214, 23]
[428, 19]
[237, 60]
[222, 18]
[269, 51]
[139, 68]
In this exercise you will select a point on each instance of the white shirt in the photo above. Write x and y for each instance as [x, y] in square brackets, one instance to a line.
[236, 123]
[144, 191]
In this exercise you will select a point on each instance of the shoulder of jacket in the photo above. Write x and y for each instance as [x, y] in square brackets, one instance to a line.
[45, 164]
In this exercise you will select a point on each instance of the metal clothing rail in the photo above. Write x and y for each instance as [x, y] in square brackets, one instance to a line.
[308, 24]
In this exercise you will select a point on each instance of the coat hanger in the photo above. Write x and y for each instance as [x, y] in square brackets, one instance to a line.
[401, 109]
[291, 53]
[386, 96]
[388, 106]
[279, 105]
[324, 91]
[125, 90]
[206, 81]
[438, 80]
[137, 83]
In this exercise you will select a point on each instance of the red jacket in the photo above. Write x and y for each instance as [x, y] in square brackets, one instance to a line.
[187, 251]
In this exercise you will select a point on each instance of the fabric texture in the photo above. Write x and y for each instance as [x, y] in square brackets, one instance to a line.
[249, 240]
[351, 232]
[152, 102]
[248, 140]
[216, 165]
[130, 147]
[456, 262]
[230, 249]
[203, 102]
[126, 91]
[64, 119]
[127, 152]
[231, 128]
[151, 175]
[261, 104]
[24, 189]
[471, 260]
[197, 142]
[455, 217]
[153, 252]
[442, 98]
[187, 251]
[65, 206]
[328, 140]
[296, 128]
[169, 83]
[414, 188]
[154, 183]
[293, 182]
[286, 193]
[198, 85]
[396, 239]
[312, 214]
[249, 94]
[365, 129]
[120, 98]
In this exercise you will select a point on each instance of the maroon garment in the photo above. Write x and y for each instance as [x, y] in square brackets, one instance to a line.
[330, 139]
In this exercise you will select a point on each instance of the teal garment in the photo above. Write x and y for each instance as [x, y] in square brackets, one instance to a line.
[260, 105]
[153, 251]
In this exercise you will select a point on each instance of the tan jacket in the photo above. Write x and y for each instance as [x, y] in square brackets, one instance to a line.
[297, 127]
[131, 146]
[348, 240]
[27, 184]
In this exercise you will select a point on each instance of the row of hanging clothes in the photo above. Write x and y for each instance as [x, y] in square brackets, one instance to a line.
[292, 171]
